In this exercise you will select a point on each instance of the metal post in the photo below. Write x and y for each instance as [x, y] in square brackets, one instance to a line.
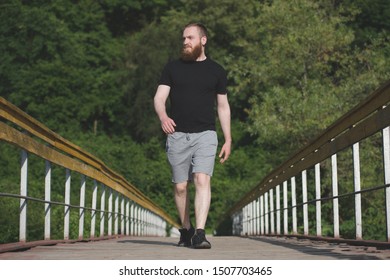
[151, 222]
[67, 205]
[386, 166]
[102, 208]
[304, 200]
[93, 211]
[272, 213]
[249, 213]
[116, 214]
[246, 220]
[358, 203]
[122, 215]
[294, 205]
[318, 202]
[253, 217]
[257, 217]
[335, 192]
[23, 192]
[47, 198]
[132, 214]
[110, 213]
[278, 209]
[249, 207]
[266, 213]
[285, 210]
[82, 205]
[137, 221]
[144, 223]
[127, 220]
[262, 215]
[253, 210]
[148, 222]
[243, 220]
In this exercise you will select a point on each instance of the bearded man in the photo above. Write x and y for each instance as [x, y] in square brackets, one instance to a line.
[195, 84]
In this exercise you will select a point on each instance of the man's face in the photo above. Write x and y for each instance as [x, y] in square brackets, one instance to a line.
[192, 44]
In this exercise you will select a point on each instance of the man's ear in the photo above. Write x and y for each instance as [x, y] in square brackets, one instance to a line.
[203, 40]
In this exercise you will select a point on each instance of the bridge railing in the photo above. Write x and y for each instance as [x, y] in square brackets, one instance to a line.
[129, 211]
[313, 176]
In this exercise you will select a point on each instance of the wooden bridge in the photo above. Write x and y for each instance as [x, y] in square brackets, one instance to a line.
[280, 219]
[223, 248]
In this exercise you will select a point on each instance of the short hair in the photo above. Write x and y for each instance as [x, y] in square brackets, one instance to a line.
[202, 29]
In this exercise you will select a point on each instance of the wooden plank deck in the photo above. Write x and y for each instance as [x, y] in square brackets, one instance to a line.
[223, 248]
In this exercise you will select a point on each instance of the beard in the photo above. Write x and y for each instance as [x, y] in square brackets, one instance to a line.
[191, 54]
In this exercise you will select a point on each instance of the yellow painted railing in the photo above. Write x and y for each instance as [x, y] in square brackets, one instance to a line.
[132, 212]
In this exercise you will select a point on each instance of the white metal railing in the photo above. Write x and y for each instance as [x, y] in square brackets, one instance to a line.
[130, 219]
[120, 208]
[255, 213]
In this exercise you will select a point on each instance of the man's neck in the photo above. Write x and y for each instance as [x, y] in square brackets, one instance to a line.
[201, 57]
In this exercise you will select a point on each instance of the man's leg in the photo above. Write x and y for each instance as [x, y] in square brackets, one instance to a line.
[182, 203]
[203, 166]
[202, 198]
[202, 206]
[183, 206]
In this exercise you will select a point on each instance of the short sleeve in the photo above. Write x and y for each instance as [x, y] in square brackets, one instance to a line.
[222, 82]
[165, 78]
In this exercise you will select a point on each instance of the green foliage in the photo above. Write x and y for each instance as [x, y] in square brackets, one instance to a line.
[304, 65]
[60, 63]
[372, 20]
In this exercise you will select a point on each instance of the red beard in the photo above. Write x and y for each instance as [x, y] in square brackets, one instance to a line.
[188, 54]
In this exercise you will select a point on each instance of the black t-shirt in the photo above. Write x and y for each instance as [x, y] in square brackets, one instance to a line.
[194, 86]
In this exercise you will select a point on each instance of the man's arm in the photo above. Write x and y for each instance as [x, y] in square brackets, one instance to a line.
[162, 93]
[223, 109]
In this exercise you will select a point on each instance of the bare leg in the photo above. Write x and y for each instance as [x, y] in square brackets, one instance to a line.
[202, 198]
[182, 201]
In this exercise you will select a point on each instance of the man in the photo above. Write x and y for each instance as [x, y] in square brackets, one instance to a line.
[194, 83]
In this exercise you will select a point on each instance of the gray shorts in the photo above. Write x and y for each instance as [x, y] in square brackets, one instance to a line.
[190, 153]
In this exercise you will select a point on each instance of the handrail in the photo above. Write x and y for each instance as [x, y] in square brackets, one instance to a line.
[374, 102]
[13, 114]
[31, 136]
[370, 116]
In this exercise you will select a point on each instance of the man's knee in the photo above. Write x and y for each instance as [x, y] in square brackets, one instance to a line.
[201, 179]
[181, 188]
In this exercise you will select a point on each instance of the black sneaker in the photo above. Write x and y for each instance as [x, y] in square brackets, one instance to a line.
[185, 237]
[199, 240]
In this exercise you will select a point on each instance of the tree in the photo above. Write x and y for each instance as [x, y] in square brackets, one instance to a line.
[59, 60]
[307, 71]
[371, 21]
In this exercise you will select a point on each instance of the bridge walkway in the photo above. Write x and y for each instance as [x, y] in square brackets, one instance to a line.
[223, 248]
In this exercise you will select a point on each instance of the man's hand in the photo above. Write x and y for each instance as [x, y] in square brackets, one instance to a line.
[168, 125]
[225, 152]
